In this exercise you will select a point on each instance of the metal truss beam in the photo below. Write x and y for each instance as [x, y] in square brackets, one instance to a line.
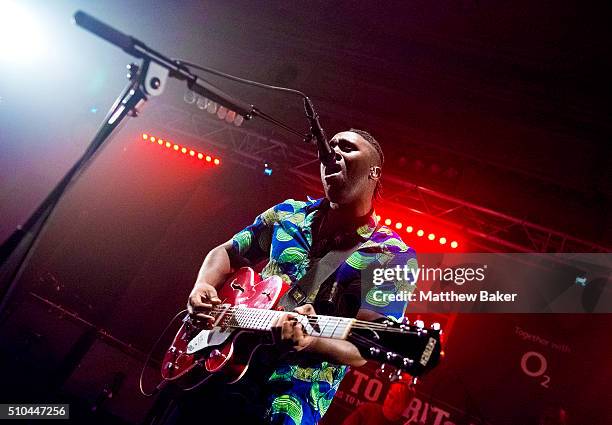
[486, 229]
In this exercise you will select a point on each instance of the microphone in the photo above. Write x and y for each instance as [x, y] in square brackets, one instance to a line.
[326, 153]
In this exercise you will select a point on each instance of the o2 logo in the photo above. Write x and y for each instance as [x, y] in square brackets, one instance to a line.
[537, 367]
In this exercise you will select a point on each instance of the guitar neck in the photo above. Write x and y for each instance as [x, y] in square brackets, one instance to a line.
[263, 320]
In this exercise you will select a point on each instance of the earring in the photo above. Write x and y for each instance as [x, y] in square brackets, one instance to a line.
[374, 173]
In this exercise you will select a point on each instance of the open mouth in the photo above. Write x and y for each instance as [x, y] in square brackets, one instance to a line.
[332, 170]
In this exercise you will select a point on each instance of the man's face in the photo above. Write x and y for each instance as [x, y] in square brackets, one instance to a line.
[346, 180]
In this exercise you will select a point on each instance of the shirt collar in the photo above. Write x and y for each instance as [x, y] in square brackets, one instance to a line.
[364, 231]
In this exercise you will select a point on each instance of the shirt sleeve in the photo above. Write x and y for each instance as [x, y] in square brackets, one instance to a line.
[389, 297]
[253, 242]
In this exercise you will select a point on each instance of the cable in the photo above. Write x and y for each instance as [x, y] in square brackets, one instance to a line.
[241, 80]
[149, 355]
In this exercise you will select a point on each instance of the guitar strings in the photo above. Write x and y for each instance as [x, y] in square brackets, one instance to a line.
[255, 316]
[254, 313]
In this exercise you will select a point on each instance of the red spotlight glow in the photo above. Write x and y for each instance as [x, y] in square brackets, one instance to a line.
[422, 234]
[185, 150]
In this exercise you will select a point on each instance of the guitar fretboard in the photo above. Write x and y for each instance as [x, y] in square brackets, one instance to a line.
[263, 320]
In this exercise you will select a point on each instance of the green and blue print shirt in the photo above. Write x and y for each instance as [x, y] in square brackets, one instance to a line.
[283, 235]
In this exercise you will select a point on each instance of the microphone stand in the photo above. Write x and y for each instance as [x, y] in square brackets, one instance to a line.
[148, 79]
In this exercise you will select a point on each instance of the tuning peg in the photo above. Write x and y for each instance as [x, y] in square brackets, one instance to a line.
[391, 357]
[405, 321]
[374, 352]
[407, 362]
[380, 371]
[435, 326]
[419, 324]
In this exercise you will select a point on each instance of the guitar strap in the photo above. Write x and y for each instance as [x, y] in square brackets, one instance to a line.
[306, 289]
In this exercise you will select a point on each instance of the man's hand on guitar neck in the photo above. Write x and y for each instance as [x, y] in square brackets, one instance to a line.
[202, 299]
[288, 332]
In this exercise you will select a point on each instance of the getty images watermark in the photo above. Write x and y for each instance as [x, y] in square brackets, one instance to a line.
[457, 276]
[504, 283]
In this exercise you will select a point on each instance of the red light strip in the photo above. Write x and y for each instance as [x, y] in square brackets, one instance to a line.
[420, 232]
[182, 149]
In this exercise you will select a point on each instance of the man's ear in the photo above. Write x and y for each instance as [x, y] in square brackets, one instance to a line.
[375, 172]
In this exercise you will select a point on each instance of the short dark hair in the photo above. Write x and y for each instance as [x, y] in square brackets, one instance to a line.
[372, 141]
[381, 157]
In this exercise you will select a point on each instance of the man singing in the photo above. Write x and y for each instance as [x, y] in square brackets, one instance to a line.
[291, 237]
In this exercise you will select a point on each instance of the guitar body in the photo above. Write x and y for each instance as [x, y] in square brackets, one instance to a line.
[197, 355]
[249, 311]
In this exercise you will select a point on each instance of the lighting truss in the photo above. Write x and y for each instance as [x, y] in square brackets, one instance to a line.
[485, 229]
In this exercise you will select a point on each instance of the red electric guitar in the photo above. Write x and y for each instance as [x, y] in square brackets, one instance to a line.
[243, 323]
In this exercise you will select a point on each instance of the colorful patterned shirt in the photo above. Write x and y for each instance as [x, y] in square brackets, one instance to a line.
[283, 235]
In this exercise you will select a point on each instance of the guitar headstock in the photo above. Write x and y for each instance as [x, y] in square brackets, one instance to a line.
[409, 347]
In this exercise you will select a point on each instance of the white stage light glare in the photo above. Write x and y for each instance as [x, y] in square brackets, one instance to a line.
[21, 37]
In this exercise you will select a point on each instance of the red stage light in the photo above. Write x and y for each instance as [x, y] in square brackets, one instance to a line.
[432, 236]
[177, 147]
